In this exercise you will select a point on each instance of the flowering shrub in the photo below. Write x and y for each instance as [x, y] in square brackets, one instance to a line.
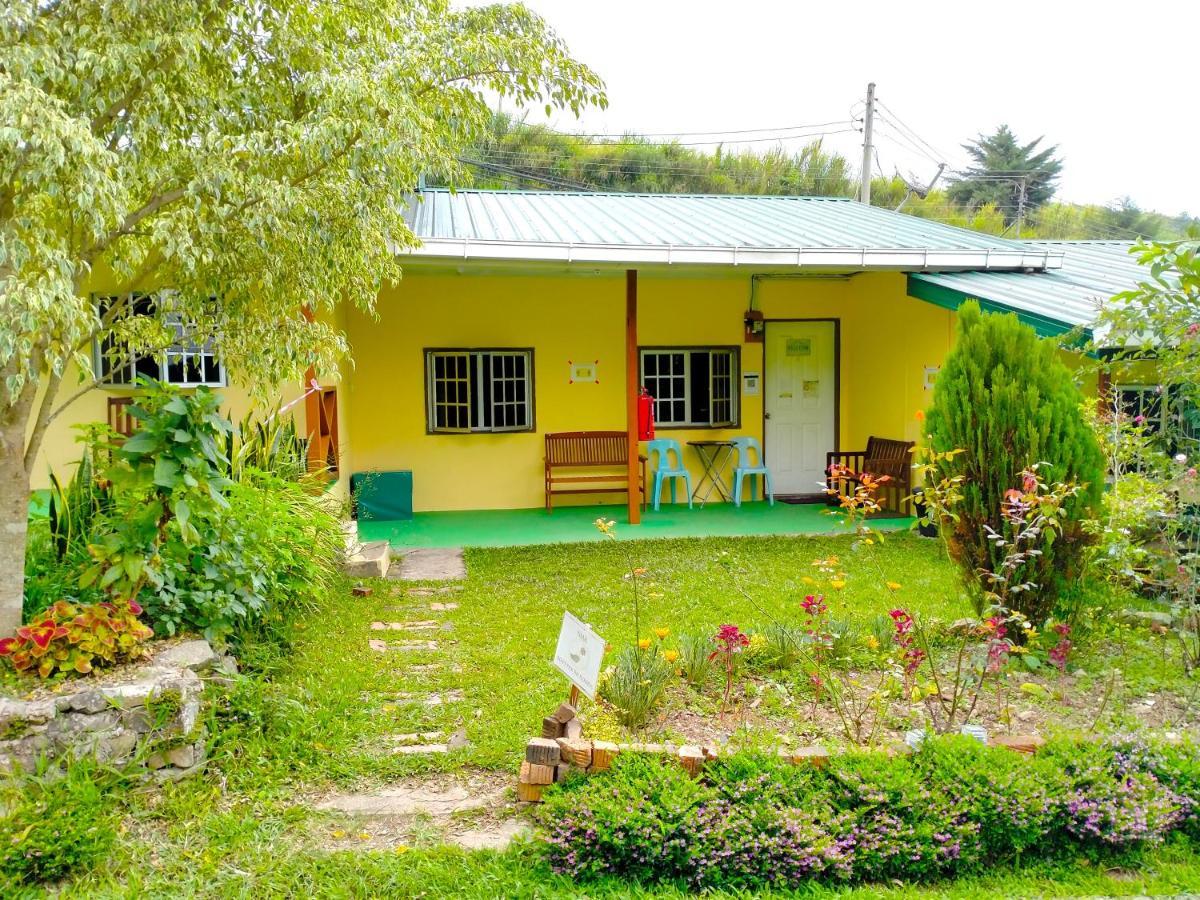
[730, 641]
[70, 638]
[1114, 800]
[754, 822]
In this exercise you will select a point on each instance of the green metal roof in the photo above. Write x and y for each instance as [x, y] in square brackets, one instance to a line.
[587, 227]
[1054, 301]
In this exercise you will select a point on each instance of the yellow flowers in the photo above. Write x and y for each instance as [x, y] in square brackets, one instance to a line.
[644, 643]
[670, 655]
[401, 848]
[337, 834]
[872, 642]
[837, 584]
[893, 586]
[662, 633]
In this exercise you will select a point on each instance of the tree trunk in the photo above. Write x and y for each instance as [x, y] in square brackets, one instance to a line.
[14, 521]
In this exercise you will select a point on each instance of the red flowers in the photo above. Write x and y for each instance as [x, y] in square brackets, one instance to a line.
[1059, 652]
[910, 654]
[729, 639]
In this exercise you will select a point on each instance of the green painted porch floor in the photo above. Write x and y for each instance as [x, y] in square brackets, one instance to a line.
[573, 524]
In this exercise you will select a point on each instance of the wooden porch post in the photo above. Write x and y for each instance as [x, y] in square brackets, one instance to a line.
[312, 410]
[631, 395]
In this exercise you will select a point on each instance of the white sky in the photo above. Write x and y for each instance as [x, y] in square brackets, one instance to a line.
[1114, 85]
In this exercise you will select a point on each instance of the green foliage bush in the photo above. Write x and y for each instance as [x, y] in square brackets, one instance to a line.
[53, 825]
[266, 556]
[754, 822]
[1005, 398]
[212, 531]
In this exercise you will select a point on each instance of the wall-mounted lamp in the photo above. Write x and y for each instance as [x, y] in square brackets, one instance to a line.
[755, 326]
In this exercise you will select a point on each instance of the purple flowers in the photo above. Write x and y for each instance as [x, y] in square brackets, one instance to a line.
[755, 822]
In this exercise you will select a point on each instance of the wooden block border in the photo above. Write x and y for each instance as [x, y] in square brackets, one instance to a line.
[593, 757]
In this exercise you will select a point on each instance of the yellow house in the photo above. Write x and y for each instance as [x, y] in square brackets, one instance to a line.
[808, 324]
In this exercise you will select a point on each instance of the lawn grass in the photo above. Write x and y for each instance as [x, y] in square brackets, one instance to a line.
[321, 716]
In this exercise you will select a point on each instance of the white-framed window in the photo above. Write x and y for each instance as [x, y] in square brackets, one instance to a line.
[692, 387]
[183, 363]
[479, 390]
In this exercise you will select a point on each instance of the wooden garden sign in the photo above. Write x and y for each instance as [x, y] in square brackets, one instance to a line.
[580, 654]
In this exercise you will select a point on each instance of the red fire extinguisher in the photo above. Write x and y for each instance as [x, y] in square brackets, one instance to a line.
[645, 416]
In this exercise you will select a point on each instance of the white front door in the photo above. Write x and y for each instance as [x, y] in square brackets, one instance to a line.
[800, 401]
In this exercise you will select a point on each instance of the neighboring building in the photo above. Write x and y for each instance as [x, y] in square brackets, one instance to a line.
[808, 323]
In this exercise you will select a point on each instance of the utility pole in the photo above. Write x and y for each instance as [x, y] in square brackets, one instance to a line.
[1021, 203]
[864, 189]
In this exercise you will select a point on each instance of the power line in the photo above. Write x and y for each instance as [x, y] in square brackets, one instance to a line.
[939, 157]
[505, 170]
[756, 140]
[607, 138]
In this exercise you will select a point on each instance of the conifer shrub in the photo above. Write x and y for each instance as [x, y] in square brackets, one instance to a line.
[1006, 399]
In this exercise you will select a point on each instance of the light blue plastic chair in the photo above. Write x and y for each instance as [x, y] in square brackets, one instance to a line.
[659, 453]
[750, 462]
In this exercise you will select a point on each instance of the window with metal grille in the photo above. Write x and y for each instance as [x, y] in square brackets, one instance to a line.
[479, 390]
[692, 386]
[185, 362]
[1155, 407]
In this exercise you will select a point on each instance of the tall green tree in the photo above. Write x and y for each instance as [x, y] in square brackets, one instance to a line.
[252, 155]
[1008, 174]
[1005, 399]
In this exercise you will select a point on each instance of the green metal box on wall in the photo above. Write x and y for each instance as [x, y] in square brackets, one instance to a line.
[382, 495]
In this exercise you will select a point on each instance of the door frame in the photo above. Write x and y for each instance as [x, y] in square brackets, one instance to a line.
[837, 389]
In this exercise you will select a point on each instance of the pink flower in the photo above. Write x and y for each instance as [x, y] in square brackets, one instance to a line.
[1193, 328]
[813, 606]
[729, 639]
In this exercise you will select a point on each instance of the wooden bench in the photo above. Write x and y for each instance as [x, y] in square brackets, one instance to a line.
[567, 452]
[883, 456]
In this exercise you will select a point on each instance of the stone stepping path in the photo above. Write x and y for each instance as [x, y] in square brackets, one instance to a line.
[428, 668]
[401, 646]
[443, 607]
[432, 564]
[386, 818]
[421, 749]
[417, 737]
[451, 696]
[433, 591]
[424, 625]
[406, 746]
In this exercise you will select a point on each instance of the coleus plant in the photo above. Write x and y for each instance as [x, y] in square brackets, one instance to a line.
[70, 638]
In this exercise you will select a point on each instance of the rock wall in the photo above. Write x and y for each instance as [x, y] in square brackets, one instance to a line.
[147, 714]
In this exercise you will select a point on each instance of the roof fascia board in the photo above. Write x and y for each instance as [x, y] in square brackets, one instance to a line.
[842, 257]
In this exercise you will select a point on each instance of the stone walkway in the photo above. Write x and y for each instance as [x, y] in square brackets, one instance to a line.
[471, 811]
[431, 564]
[413, 637]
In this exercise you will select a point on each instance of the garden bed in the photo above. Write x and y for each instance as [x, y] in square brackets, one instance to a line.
[753, 821]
